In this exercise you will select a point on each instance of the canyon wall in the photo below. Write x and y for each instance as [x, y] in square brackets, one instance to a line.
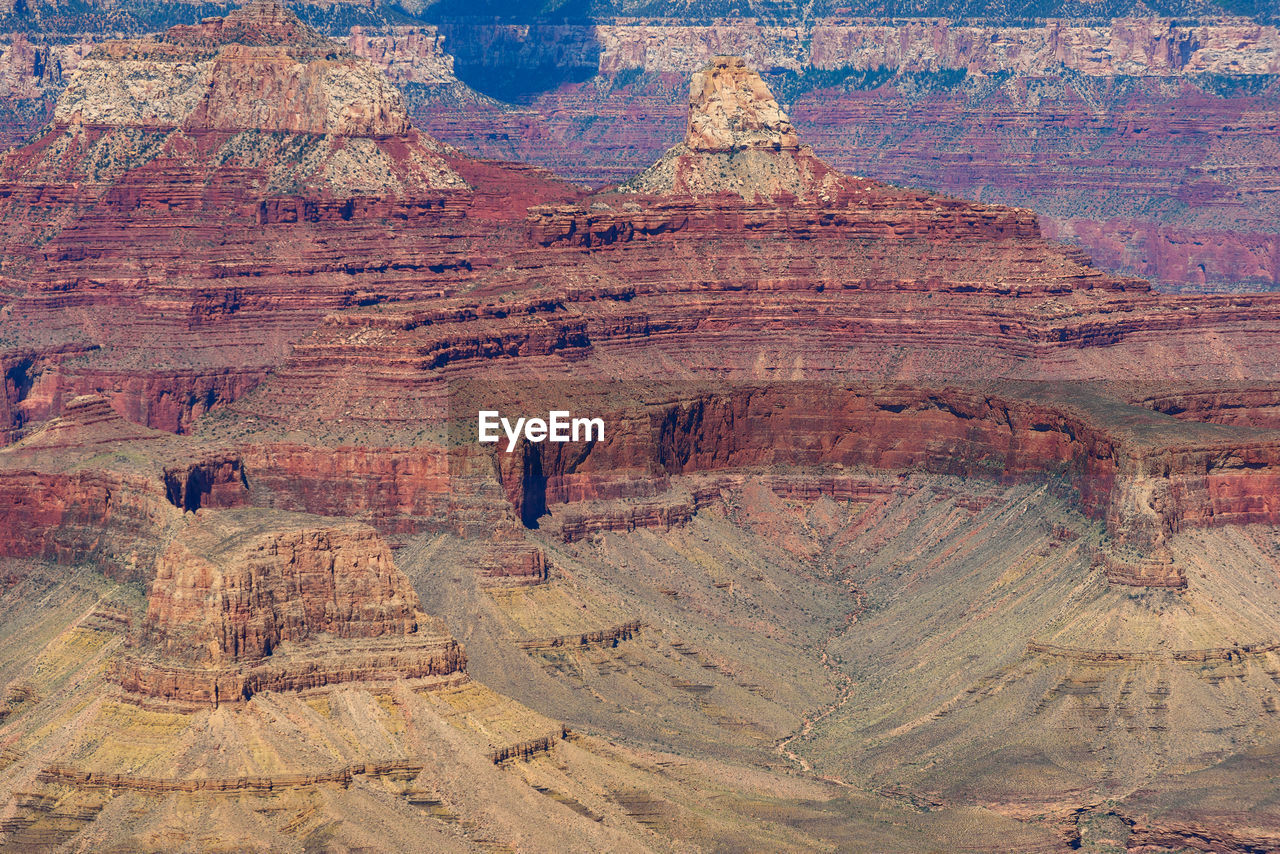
[108, 520]
[1145, 488]
[1024, 107]
[1120, 134]
[1121, 47]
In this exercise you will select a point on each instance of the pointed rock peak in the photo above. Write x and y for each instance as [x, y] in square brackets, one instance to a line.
[731, 109]
[739, 142]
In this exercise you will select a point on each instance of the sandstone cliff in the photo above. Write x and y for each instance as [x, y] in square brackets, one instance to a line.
[273, 582]
[249, 601]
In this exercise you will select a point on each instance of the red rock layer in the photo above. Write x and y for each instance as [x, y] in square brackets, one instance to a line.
[1222, 404]
[407, 658]
[137, 226]
[212, 482]
[54, 509]
[109, 520]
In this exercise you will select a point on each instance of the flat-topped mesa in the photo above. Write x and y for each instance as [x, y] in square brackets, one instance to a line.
[235, 586]
[738, 141]
[253, 600]
[258, 69]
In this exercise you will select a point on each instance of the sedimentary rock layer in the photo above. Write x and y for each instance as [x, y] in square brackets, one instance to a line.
[276, 583]
[919, 320]
[137, 223]
[1022, 108]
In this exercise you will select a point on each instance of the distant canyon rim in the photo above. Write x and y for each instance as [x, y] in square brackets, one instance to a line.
[1149, 141]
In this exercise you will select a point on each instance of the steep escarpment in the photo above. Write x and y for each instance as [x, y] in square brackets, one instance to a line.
[1146, 478]
[137, 224]
[113, 516]
[923, 333]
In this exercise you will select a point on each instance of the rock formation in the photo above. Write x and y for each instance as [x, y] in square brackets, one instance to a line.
[249, 601]
[251, 137]
[1005, 356]
[739, 141]
[977, 110]
[731, 110]
[272, 586]
[884, 473]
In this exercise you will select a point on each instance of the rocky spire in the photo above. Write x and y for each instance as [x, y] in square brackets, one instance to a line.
[739, 141]
[731, 109]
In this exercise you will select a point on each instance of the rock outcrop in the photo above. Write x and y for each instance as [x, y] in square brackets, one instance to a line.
[53, 507]
[249, 601]
[731, 109]
[174, 166]
[272, 586]
[739, 141]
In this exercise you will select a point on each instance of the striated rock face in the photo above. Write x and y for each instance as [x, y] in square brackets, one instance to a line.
[272, 583]
[406, 55]
[1155, 47]
[112, 521]
[1130, 46]
[997, 113]
[257, 70]
[54, 509]
[203, 197]
[249, 601]
[1145, 479]
[939, 335]
[31, 77]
